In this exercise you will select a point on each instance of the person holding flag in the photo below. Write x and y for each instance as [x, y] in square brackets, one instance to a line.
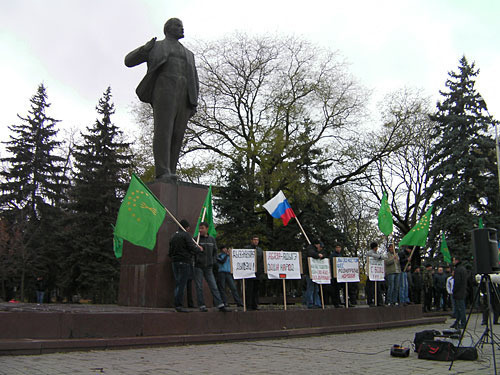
[416, 237]
[182, 250]
[203, 269]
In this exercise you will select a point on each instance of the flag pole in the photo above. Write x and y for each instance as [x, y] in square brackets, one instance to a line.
[409, 259]
[202, 219]
[244, 297]
[179, 224]
[302, 229]
[284, 293]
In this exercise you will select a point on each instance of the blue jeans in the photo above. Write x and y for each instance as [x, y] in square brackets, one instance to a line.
[39, 296]
[460, 312]
[403, 288]
[226, 277]
[392, 287]
[208, 275]
[312, 293]
[182, 273]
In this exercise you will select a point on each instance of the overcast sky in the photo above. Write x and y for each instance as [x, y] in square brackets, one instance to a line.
[76, 47]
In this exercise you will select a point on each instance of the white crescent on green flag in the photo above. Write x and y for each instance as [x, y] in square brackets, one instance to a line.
[140, 216]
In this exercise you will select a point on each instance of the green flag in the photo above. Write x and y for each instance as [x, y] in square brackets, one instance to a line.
[140, 216]
[117, 245]
[385, 223]
[417, 236]
[206, 215]
[481, 225]
[444, 249]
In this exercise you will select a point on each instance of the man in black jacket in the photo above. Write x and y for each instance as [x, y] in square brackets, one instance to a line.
[253, 285]
[203, 269]
[459, 293]
[182, 250]
[335, 286]
[316, 251]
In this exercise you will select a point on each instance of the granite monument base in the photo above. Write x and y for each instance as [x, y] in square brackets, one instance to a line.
[146, 277]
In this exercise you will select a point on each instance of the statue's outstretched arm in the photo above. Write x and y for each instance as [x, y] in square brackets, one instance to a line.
[139, 55]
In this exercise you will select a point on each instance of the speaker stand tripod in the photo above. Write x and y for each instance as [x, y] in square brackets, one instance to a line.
[488, 336]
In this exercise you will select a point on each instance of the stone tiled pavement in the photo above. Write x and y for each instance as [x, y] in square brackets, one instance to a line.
[355, 353]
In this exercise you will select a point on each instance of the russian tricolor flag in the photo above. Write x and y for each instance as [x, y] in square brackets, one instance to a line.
[279, 207]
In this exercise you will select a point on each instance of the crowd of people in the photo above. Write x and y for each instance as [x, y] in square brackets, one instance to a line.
[436, 288]
[200, 260]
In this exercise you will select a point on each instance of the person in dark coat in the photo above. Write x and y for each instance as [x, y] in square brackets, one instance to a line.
[416, 286]
[316, 251]
[203, 269]
[459, 293]
[182, 251]
[335, 286]
[440, 293]
[252, 286]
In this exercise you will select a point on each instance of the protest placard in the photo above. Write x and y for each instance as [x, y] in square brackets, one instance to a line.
[282, 264]
[243, 263]
[346, 269]
[319, 270]
[376, 269]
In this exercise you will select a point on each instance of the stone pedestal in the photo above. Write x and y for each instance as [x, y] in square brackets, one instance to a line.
[146, 277]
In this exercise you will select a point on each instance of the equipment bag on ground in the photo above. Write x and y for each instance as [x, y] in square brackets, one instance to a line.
[427, 335]
[437, 351]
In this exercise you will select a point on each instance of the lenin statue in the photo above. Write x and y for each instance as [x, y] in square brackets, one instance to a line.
[171, 87]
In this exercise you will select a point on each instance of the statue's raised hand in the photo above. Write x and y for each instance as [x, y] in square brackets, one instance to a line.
[150, 44]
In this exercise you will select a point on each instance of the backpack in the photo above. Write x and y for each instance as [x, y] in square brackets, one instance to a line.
[427, 335]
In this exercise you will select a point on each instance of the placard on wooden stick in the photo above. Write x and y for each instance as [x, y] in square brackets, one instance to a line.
[243, 263]
[282, 265]
[319, 270]
[346, 269]
[376, 269]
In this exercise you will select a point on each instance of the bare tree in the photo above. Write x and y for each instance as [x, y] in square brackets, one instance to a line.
[402, 173]
[355, 219]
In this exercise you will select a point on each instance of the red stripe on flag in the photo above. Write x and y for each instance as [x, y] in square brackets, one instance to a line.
[287, 216]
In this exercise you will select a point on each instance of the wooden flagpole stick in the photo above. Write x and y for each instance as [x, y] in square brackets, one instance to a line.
[409, 259]
[284, 293]
[322, 300]
[303, 231]
[202, 219]
[179, 224]
[244, 297]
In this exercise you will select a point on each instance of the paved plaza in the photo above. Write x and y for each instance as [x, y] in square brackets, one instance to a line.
[354, 353]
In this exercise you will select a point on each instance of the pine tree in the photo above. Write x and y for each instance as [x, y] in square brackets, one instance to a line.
[462, 163]
[102, 169]
[32, 190]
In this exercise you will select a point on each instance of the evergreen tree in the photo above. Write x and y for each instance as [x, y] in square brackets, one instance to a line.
[102, 167]
[462, 163]
[32, 190]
